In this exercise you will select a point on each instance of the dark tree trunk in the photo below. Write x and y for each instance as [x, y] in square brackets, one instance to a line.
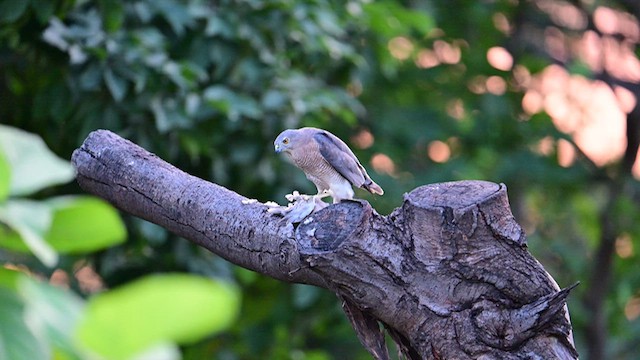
[447, 274]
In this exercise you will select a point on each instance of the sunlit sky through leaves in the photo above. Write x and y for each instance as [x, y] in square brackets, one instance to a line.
[589, 110]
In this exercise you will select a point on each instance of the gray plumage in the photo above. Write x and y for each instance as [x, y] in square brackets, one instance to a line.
[326, 160]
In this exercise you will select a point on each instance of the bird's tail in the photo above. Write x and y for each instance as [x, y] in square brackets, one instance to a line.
[372, 187]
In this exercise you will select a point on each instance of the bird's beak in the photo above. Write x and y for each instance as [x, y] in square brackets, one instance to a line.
[278, 148]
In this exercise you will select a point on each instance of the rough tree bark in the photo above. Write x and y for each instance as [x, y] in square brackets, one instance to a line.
[447, 274]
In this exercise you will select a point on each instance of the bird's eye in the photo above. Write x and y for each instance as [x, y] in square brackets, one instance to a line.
[285, 141]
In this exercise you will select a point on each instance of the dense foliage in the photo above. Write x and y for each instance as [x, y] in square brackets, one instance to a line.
[413, 86]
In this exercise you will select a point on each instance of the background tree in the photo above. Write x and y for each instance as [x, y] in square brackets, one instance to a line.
[540, 95]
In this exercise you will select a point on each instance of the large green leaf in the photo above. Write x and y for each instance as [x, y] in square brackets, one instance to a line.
[30, 220]
[16, 340]
[36, 319]
[156, 310]
[33, 165]
[68, 225]
[83, 224]
[53, 315]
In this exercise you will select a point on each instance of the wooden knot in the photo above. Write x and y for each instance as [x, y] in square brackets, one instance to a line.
[325, 230]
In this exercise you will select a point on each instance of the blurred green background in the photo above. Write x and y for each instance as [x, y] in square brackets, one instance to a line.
[540, 95]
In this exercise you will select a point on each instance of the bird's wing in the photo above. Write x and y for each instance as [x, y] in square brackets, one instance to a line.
[338, 155]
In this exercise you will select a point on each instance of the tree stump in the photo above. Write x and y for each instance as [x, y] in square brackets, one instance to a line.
[451, 269]
[447, 274]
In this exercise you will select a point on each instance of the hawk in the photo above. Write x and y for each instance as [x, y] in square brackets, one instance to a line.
[326, 161]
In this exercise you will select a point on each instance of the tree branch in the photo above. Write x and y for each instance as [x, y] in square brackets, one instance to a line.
[447, 274]
[209, 215]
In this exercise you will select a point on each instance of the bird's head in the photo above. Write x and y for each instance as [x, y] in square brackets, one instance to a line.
[285, 141]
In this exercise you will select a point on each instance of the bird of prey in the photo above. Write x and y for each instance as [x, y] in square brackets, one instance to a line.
[327, 161]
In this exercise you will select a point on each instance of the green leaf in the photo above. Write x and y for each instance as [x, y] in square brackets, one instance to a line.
[156, 310]
[33, 165]
[117, 86]
[167, 116]
[53, 314]
[36, 319]
[231, 103]
[217, 25]
[16, 340]
[184, 74]
[67, 224]
[391, 19]
[11, 240]
[174, 13]
[5, 177]
[11, 10]
[9, 278]
[84, 224]
[30, 220]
